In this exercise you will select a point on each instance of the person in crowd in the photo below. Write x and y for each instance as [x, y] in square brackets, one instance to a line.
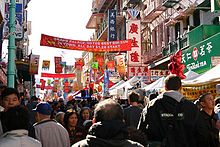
[171, 120]
[152, 96]
[30, 106]
[210, 119]
[86, 125]
[60, 117]
[48, 131]
[16, 121]
[9, 98]
[137, 136]
[2, 87]
[76, 132]
[109, 129]
[85, 114]
[133, 112]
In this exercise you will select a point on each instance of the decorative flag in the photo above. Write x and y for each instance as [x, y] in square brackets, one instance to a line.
[100, 61]
[46, 65]
[89, 46]
[120, 60]
[42, 86]
[111, 65]
[112, 25]
[95, 65]
[58, 66]
[106, 82]
[34, 62]
[79, 63]
[66, 87]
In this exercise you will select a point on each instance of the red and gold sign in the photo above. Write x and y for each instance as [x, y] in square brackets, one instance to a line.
[111, 65]
[58, 66]
[90, 46]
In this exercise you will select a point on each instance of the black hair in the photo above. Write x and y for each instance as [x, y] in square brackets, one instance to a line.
[8, 91]
[173, 82]
[67, 115]
[202, 97]
[15, 118]
[107, 110]
[133, 97]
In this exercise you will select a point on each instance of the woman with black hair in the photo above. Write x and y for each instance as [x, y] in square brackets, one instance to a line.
[76, 132]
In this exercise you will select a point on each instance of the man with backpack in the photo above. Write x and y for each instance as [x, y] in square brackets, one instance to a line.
[172, 121]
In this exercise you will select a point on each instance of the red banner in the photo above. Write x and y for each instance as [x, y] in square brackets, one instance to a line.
[90, 46]
[49, 75]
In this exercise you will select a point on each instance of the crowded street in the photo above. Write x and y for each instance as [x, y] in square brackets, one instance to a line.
[109, 73]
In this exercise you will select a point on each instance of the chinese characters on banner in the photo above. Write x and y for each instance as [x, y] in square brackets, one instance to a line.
[133, 33]
[89, 46]
[34, 63]
[58, 66]
[156, 74]
[112, 25]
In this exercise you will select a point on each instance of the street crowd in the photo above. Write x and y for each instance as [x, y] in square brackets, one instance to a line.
[167, 119]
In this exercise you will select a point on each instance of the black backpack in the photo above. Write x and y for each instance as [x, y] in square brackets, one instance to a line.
[171, 119]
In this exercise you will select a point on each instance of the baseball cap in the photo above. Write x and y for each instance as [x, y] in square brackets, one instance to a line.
[43, 108]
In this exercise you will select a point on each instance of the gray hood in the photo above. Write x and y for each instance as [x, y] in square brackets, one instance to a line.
[174, 94]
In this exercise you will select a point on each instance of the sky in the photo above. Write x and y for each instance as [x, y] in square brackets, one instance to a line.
[60, 18]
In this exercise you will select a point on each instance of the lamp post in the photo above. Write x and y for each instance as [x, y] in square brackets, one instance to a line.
[11, 46]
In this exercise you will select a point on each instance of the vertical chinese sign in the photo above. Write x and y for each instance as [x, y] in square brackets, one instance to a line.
[58, 66]
[135, 67]
[19, 31]
[34, 63]
[112, 25]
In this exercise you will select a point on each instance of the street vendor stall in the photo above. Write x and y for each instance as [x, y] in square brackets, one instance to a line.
[192, 89]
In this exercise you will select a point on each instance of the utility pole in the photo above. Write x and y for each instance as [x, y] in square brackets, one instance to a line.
[11, 45]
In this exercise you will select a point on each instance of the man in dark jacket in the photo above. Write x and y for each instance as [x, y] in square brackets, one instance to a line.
[172, 121]
[210, 119]
[109, 129]
[133, 112]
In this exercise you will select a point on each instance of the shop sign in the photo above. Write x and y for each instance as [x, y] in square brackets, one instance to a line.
[199, 58]
[156, 74]
[18, 19]
[134, 33]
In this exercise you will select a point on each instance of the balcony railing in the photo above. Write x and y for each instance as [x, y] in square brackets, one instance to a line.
[103, 26]
[172, 47]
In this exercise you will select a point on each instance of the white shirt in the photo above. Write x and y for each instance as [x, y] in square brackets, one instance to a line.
[18, 138]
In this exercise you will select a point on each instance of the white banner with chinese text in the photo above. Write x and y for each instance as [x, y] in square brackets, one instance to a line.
[134, 33]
